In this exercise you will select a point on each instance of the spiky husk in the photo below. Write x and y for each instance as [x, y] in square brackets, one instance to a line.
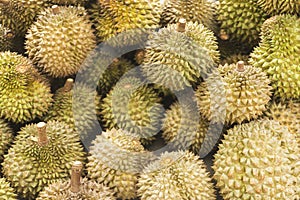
[24, 93]
[192, 10]
[134, 107]
[116, 158]
[178, 59]
[60, 40]
[89, 190]
[229, 95]
[241, 20]
[6, 138]
[278, 54]
[6, 191]
[30, 167]
[258, 160]
[176, 175]
[6, 38]
[275, 7]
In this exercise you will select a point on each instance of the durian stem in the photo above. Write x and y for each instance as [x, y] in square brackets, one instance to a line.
[240, 66]
[68, 85]
[76, 176]
[43, 139]
[181, 25]
[55, 9]
[224, 35]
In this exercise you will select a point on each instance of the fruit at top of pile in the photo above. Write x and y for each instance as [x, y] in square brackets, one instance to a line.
[24, 93]
[134, 107]
[6, 37]
[258, 160]
[6, 191]
[234, 93]
[278, 54]
[176, 175]
[76, 188]
[41, 154]
[192, 10]
[178, 55]
[241, 20]
[274, 7]
[116, 158]
[6, 137]
[60, 40]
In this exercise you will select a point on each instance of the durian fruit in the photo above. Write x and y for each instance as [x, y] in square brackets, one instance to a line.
[192, 10]
[6, 138]
[241, 20]
[275, 7]
[234, 93]
[278, 54]
[76, 188]
[60, 40]
[41, 155]
[116, 159]
[6, 191]
[24, 93]
[6, 38]
[176, 175]
[134, 107]
[178, 55]
[258, 160]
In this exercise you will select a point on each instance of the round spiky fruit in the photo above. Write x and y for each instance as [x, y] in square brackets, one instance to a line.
[176, 175]
[234, 93]
[24, 94]
[6, 37]
[258, 160]
[178, 55]
[241, 20]
[192, 10]
[6, 137]
[134, 107]
[41, 155]
[60, 40]
[6, 191]
[76, 188]
[116, 158]
[274, 7]
[278, 54]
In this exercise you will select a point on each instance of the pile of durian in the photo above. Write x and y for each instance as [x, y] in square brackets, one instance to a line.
[212, 79]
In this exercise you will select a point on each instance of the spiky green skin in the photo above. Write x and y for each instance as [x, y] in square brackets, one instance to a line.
[178, 59]
[133, 107]
[176, 175]
[115, 160]
[231, 96]
[6, 191]
[59, 43]
[192, 10]
[6, 137]
[89, 190]
[275, 7]
[30, 167]
[241, 20]
[24, 94]
[6, 37]
[278, 54]
[258, 160]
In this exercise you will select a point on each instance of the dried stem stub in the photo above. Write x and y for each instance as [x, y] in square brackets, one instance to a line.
[76, 176]
[42, 135]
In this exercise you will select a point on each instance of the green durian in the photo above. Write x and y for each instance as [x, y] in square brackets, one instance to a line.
[6, 191]
[24, 93]
[178, 55]
[116, 159]
[275, 7]
[234, 93]
[258, 160]
[6, 38]
[278, 54]
[6, 138]
[176, 175]
[76, 188]
[41, 155]
[60, 40]
[241, 20]
[134, 107]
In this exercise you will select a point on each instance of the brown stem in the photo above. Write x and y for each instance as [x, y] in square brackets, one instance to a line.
[42, 134]
[181, 25]
[68, 85]
[240, 66]
[223, 35]
[76, 176]
[55, 9]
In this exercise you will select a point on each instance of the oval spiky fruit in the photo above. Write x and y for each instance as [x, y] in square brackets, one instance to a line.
[6, 191]
[88, 190]
[278, 54]
[176, 175]
[41, 156]
[275, 7]
[258, 160]
[24, 94]
[234, 93]
[115, 160]
[6, 137]
[60, 40]
[6, 38]
[178, 58]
